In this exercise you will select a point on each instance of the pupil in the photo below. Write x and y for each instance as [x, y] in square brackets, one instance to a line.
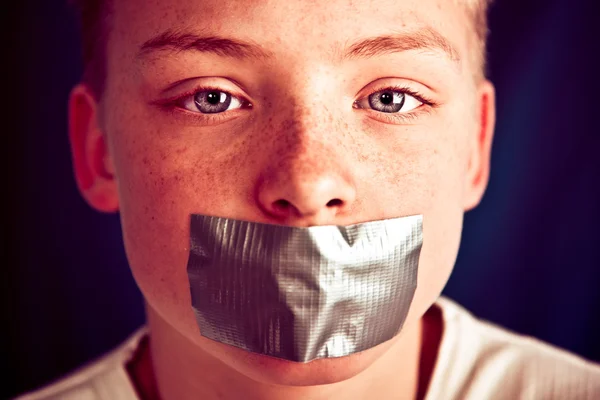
[387, 98]
[213, 98]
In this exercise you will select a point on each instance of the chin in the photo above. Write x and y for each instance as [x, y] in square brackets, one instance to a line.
[276, 371]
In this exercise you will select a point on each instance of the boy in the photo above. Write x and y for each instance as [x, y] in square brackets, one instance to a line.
[295, 114]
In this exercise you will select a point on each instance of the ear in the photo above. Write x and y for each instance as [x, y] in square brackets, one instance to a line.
[94, 171]
[478, 171]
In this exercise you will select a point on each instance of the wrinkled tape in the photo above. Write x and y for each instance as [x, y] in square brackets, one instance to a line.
[302, 293]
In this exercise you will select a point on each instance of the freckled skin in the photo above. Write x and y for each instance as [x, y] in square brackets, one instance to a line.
[301, 141]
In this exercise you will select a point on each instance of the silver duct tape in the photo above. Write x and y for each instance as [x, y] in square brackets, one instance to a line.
[302, 293]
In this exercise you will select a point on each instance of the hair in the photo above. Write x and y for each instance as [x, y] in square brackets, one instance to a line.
[94, 25]
[95, 22]
[477, 12]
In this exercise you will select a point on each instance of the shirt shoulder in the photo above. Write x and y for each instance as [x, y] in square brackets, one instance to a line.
[479, 360]
[103, 379]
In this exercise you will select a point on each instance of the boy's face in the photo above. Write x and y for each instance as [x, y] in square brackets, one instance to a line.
[307, 128]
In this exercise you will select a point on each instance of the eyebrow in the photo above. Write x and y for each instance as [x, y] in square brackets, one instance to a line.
[176, 41]
[421, 39]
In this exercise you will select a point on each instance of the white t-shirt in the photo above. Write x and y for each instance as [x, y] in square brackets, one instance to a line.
[476, 361]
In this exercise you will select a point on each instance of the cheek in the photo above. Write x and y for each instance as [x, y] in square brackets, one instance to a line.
[161, 182]
[428, 178]
[442, 189]
[154, 216]
[420, 172]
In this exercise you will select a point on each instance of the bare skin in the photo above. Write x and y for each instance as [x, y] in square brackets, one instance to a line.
[300, 144]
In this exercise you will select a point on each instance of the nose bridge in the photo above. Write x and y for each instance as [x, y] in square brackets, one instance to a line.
[305, 179]
[307, 113]
[307, 136]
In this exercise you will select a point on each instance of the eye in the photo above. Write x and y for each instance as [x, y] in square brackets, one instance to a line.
[390, 101]
[211, 102]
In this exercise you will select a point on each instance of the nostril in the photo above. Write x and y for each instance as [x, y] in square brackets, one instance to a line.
[282, 204]
[334, 203]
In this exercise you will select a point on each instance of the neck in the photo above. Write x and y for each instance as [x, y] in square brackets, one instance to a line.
[183, 371]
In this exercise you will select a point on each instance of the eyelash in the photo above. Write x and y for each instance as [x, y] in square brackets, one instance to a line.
[404, 118]
[174, 105]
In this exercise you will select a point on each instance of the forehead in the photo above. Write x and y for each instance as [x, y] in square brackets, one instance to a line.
[292, 27]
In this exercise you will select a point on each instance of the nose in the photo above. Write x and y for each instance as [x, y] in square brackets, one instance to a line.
[306, 191]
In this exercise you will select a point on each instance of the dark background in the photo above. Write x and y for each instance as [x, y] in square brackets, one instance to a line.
[530, 253]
